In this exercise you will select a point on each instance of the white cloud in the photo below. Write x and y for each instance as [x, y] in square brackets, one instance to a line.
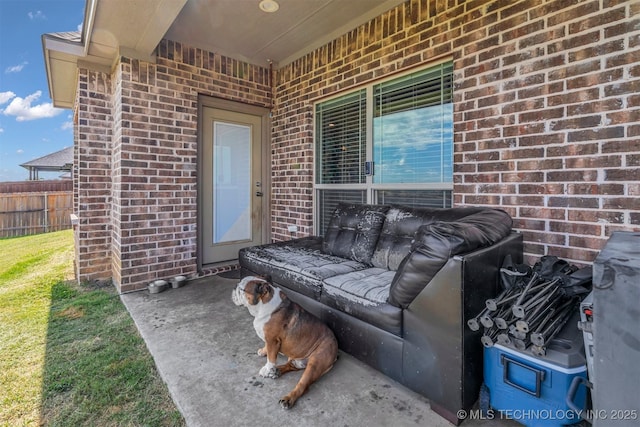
[6, 96]
[80, 26]
[23, 111]
[16, 68]
[36, 15]
[19, 151]
[68, 125]
[1, 130]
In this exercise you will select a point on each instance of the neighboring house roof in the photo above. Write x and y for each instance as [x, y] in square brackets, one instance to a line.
[59, 161]
[67, 36]
[237, 29]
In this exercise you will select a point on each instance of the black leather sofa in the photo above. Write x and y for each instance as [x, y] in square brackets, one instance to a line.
[397, 285]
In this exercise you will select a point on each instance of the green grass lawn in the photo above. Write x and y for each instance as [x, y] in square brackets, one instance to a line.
[69, 354]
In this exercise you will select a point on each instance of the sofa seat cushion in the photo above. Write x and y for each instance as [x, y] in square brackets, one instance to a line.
[363, 294]
[353, 231]
[297, 264]
[399, 229]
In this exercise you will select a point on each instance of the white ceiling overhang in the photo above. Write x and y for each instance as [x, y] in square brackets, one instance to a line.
[111, 28]
[235, 28]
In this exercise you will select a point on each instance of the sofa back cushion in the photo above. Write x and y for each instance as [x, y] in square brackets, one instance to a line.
[353, 231]
[435, 243]
[399, 229]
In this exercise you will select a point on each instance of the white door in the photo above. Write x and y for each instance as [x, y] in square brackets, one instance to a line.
[232, 187]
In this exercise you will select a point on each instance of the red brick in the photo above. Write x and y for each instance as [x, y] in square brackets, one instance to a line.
[530, 224]
[575, 228]
[522, 200]
[574, 202]
[542, 164]
[545, 139]
[577, 256]
[574, 175]
[596, 134]
[627, 203]
[522, 177]
[573, 150]
[596, 216]
[541, 188]
[541, 115]
[542, 213]
[527, 129]
[596, 106]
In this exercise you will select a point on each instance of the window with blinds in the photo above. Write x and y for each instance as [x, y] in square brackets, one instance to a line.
[391, 142]
[413, 128]
[340, 126]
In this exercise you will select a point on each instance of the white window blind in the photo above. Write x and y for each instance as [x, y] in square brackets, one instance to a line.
[413, 128]
[341, 131]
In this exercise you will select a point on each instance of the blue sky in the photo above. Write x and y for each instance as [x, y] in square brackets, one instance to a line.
[29, 125]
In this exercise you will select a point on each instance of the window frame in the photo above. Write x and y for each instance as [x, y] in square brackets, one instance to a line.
[369, 186]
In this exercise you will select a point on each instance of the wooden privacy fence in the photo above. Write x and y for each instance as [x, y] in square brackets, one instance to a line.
[32, 213]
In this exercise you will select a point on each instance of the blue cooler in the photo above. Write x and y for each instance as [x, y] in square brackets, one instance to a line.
[532, 390]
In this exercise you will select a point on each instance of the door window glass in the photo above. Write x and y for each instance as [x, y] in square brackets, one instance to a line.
[231, 182]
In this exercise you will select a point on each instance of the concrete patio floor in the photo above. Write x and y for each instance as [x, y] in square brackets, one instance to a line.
[205, 350]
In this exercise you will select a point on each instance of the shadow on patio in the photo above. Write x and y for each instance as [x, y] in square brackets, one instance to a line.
[205, 350]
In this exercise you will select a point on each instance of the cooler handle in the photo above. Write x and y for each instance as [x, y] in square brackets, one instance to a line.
[571, 394]
[505, 376]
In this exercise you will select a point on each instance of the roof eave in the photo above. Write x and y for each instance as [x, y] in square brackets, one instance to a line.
[102, 41]
[61, 56]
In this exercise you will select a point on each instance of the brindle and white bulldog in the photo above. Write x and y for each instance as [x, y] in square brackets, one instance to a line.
[287, 328]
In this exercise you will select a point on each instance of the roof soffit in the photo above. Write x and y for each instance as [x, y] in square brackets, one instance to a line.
[235, 28]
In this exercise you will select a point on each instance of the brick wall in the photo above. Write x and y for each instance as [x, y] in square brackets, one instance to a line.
[547, 111]
[152, 169]
[546, 127]
[92, 183]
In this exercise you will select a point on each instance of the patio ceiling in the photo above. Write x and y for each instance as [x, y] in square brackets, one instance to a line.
[235, 28]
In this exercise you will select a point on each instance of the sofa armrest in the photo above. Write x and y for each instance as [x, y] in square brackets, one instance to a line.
[435, 243]
[442, 358]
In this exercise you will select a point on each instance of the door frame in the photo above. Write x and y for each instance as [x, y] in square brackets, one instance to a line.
[236, 107]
